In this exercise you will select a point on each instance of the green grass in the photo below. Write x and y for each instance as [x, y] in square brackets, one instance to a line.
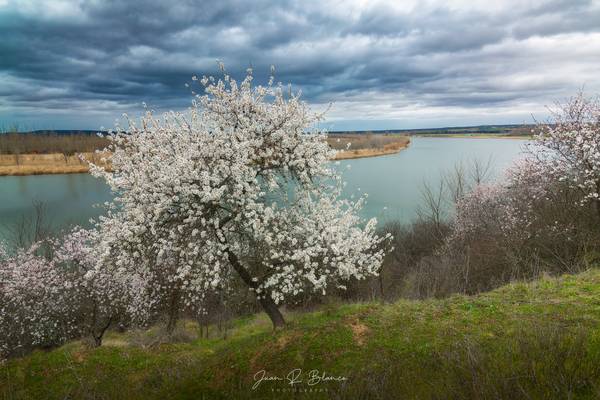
[539, 340]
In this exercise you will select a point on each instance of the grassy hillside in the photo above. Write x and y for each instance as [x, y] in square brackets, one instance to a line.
[539, 341]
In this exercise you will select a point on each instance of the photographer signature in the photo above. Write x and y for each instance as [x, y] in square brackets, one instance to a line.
[296, 377]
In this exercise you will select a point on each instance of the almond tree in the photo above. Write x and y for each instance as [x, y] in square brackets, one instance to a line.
[99, 298]
[50, 292]
[238, 188]
[562, 167]
[33, 302]
[568, 146]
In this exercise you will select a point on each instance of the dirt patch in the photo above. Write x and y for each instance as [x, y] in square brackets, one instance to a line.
[78, 356]
[115, 342]
[283, 341]
[360, 331]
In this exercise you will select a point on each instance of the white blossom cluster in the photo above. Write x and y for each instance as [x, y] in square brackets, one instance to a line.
[569, 147]
[32, 302]
[562, 166]
[492, 210]
[51, 292]
[238, 187]
[509, 208]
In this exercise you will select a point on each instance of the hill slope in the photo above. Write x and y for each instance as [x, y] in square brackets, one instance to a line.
[539, 340]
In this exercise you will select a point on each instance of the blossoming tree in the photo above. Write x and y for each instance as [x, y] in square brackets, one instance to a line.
[236, 189]
[562, 166]
[99, 298]
[50, 292]
[569, 147]
[544, 214]
[33, 302]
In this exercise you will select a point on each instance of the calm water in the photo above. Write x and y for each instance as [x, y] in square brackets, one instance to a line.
[391, 181]
[395, 181]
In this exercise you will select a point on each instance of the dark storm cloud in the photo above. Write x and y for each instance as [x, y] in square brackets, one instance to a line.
[61, 61]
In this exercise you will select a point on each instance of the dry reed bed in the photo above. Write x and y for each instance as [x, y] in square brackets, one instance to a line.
[366, 145]
[40, 164]
[361, 145]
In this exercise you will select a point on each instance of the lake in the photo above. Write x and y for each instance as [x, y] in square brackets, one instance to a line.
[393, 182]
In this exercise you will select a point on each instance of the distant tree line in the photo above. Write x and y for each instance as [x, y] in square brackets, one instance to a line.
[367, 140]
[512, 130]
[50, 142]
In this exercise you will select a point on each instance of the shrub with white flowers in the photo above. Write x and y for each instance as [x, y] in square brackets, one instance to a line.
[561, 167]
[51, 292]
[100, 298]
[517, 207]
[239, 188]
[34, 307]
[545, 213]
[568, 147]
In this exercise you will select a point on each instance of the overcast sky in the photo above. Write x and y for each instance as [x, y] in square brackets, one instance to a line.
[398, 64]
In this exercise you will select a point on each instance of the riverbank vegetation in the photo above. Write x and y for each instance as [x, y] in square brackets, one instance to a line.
[53, 163]
[478, 136]
[52, 153]
[68, 144]
[216, 225]
[511, 130]
[542, 217]
[366, 144]
[37, 153]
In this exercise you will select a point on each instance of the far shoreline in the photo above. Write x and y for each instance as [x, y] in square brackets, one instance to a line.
[54, 163]
[57, 163]
[474, 136]
[367, 153]
[46, 164]
[59, 168]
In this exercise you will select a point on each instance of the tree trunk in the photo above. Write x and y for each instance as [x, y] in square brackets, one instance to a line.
[173, 312]
[98, 336]
[265, 300]
[598, 200]
[381, 289]
[272, 311]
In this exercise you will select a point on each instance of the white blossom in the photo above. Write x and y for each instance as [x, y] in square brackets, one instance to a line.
[238, 187]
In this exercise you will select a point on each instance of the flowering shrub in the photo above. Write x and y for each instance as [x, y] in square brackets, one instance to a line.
[508, 207]
[238, 189]
[50, 292]
[563, 165]
[484, 210]
[568, 147]
[100, 298]
[35, 308]
[544, 215]
[541, 216]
